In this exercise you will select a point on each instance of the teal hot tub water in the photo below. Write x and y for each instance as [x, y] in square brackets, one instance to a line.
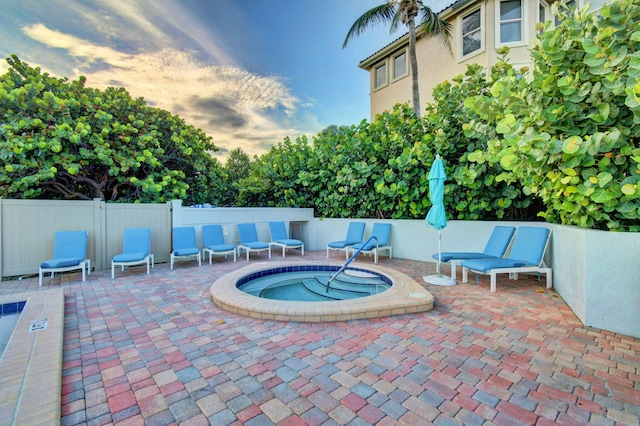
[310, 283]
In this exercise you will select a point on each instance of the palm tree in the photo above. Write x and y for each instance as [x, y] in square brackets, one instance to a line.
[406, 12]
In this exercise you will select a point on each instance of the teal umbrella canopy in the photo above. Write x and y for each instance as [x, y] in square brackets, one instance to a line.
[436, 216]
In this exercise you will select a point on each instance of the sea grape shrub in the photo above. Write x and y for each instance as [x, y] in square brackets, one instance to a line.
[62, 140]
[568, 131]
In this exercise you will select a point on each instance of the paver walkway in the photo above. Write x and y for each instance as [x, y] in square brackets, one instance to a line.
[155, 350]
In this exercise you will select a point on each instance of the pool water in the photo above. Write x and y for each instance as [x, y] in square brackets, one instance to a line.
[311, 286]
[9, 315]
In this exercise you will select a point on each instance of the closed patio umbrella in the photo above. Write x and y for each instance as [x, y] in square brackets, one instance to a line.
[437, 217]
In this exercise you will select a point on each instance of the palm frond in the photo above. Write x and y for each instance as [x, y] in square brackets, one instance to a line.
[432, 25]
[379, 14]
[396, 20]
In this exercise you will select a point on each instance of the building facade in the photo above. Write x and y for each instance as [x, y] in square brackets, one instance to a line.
[479, 29]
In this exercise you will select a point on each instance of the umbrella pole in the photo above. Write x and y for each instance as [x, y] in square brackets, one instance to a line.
[438, 269]
[439, 279]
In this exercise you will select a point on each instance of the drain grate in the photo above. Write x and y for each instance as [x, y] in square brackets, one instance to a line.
[38, 325]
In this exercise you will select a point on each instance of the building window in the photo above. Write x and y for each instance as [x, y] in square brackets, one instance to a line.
[567, 5]
[400, 65]
[543, 12]
[596, 4]
[380, 73]
[472, 33]
[511, 22]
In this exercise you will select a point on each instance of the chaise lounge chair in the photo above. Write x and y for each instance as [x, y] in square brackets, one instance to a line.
[184, 244]
[354, 236]
[527, 255]
[69, 253]
[214, 242]
[381, 231]
[249, 240]
[496, 247]
[136, 246]
[279, 238]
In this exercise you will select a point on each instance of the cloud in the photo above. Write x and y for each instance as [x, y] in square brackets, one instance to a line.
[160, 23]
[76, 47]
[219, 110]
[236, 107]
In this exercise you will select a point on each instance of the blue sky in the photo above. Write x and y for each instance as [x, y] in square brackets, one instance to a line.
[248, 72]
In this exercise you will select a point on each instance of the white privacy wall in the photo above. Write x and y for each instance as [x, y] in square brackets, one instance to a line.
[612, 288]
[28, 227]
[414, 239]
[230, 217]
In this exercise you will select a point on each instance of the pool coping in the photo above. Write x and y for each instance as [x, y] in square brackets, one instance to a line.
[31, 365]
[405, 296]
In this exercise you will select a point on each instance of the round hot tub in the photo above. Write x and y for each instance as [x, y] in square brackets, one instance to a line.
[389, 292]
[313, 283]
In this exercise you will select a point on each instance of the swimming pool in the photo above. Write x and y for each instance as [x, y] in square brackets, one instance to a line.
[9, 315]
[404, 295]
[31, 364]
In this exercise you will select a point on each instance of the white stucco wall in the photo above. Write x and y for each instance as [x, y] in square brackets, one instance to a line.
[569, 266]
[597, 273]
[612, 285]
[410, 239]
[230, 217]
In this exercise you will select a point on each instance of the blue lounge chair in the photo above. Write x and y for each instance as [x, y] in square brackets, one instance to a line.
[496, 247]
[527, 255]
[280, 238]
[249, 240]
[136, 247]
[382, 232]
[214, 244]
[184, 244]
[354, 236]
[69, 254]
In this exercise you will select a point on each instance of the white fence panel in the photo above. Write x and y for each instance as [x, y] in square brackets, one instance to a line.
[157, 217]
[28, 229]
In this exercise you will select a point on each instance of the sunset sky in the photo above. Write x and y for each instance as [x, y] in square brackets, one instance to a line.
[248, 72]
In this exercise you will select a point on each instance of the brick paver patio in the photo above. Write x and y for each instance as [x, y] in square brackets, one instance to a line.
[155, 350]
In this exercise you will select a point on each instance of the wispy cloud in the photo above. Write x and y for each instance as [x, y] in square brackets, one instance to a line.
[77, 48]
[234, 106]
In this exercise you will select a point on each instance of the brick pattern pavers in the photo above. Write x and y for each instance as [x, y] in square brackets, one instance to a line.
[155, 350]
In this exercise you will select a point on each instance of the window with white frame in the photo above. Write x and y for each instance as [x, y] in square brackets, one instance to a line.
[380, 74]
[511, 22]
[471, 36]
[594, 5]
[543, 12]
[568, 4]
[400, 68]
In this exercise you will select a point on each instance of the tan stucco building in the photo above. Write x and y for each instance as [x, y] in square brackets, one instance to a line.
[479, 29]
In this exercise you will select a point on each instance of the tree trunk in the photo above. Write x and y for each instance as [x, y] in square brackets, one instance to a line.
[414, 65]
